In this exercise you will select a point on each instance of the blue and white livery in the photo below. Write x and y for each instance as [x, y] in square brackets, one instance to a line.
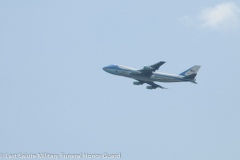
[148, 75]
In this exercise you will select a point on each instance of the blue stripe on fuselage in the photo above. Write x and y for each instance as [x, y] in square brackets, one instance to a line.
[160, 75]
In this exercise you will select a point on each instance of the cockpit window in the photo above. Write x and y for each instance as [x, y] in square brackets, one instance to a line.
[112, 66]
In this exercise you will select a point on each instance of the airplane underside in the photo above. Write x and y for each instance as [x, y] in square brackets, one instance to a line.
[150, 79]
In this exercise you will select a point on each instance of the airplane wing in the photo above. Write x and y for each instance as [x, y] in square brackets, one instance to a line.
[147, 70]
[152, 84]
[157, 65]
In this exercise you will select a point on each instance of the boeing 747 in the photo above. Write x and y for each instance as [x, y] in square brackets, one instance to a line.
[148, 75]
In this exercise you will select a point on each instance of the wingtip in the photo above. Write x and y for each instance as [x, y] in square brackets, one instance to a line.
[163, 88]
[194, 82]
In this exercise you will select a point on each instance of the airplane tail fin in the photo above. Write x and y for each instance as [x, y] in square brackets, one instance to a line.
[191, 73]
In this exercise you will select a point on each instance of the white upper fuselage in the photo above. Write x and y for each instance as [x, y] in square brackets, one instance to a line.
[133, 73]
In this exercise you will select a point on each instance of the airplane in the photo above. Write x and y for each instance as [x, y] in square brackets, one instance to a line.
[148, 75]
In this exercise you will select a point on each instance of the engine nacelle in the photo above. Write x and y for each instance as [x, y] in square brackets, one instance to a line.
[150, 87]
[147, 68]
[137, 83]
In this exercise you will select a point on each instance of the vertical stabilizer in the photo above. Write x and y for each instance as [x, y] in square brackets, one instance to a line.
[191, 71]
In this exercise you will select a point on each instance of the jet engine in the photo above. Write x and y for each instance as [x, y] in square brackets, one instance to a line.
[147, 68]
[150, 87]
[137, 83]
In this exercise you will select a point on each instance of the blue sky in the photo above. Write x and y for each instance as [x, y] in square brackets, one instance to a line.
[56, 98]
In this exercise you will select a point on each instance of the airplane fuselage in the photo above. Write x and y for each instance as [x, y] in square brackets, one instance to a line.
[134, 74]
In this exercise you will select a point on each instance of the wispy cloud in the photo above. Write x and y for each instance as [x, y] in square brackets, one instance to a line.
[221, 17]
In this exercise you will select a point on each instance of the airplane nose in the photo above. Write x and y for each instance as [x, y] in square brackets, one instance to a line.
[104, 68]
